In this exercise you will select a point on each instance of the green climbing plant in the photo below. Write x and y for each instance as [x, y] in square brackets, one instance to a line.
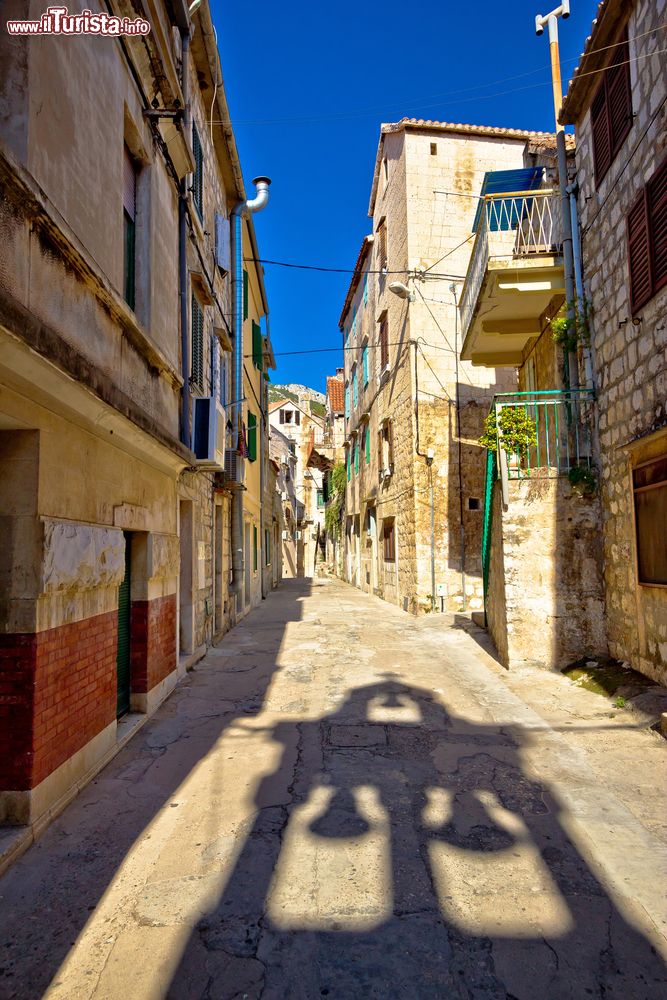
[334, 508]
[569, 326]
[515, 428]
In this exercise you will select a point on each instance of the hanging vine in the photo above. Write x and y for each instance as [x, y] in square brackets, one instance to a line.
[334, 509]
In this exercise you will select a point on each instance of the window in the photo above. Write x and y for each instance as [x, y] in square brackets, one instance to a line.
[198, 176]
[197, 346]
[647, 240]
[382, 245]
[365, 289]
[267, 547]
[252, 437]
[320, 498]
[384, 343]
[347, 401]
[386, 448]
[473, 503]
[257, 346]
[245, 294]
[355, 387]
[649, 483]
[367, 444]
[297, 418]
[254, 547]
[611, 111]
[434, 149]
[129, 226]
[354, 325]
[389, 539]
[364, 363]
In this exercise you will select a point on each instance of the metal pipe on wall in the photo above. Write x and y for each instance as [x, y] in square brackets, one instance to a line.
[243, 208]
[182, 258]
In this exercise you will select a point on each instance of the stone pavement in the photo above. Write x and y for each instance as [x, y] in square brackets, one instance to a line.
[343, 801]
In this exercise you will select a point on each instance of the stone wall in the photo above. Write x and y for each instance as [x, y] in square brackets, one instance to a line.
[628, 352]
[545, 605]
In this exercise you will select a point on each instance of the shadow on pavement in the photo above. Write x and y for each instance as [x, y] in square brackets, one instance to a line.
[416, 860]
[48, 896]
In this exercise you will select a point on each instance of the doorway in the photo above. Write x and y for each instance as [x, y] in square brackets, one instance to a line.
[186, 604]
[247, 565]
[373, 531]
[124, 634]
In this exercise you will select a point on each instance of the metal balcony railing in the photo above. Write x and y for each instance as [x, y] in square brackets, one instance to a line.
[562, 431]
[515, 224]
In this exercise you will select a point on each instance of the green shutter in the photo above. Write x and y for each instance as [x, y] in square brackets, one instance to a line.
[245, 294]
[254, 547]
[349, 464]
[252, 436]
[257, 346]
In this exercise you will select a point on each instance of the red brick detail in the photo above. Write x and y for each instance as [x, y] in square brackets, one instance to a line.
[57, 691]
[153, 642]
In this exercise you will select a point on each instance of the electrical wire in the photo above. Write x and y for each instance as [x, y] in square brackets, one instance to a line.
[361, 113]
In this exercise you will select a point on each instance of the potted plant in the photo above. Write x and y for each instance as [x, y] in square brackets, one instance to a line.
[515, 429]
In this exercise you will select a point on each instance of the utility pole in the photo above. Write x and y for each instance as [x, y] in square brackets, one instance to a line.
[550, 21]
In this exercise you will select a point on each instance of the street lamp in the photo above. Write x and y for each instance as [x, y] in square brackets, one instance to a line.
[403, 292]
[551, 22]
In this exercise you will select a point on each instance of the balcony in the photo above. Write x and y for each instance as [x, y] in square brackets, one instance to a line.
[515, 269]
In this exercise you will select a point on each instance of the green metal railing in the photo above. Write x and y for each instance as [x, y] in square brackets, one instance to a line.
[562, 431]
[491, 473]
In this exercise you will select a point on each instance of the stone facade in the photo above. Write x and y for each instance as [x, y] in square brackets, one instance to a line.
[432, 405]
[629, 348]
[101, 492]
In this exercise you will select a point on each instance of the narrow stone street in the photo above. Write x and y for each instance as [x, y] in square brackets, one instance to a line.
[344, 801]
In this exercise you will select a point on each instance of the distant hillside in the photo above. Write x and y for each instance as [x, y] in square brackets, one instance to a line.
[296, 393]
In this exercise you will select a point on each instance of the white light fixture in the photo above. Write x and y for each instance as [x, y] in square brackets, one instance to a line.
[403, 292]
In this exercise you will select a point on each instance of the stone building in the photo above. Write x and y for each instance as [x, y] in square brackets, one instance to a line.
[284, 455]
[115, 373]
[616, 100]
[297, 422]
[414, 409]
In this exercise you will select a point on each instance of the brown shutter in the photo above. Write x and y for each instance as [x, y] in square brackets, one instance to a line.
[601, 136]
[619, 97]
[384, 345]
[129, 184]
[380, 465]
[638, 253]
[657, 212]
[390, 442]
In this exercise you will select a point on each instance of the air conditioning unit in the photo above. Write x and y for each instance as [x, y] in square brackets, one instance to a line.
[209, 423]
[297, 536]
[234, 466]
[286, 536]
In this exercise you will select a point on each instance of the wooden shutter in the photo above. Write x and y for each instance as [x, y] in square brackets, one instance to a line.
[638, 253]
[380, 456]
[657, 214]
[601, 136]
[252, 437]
[384, 345]
[382, 245]
[282, 416]
[390, 442]
[257, 346]
[129, 184]
[619, 96]
[297, 418]
[197, 346]
[611, 110]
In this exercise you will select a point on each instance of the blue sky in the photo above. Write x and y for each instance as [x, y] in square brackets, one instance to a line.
[308, 86]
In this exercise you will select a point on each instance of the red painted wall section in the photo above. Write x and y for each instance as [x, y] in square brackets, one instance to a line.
[153, 648]
[57, 691]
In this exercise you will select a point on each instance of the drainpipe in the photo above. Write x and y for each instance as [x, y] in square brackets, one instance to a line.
[578, 277]
[551, 22]
[243, 208]
[182, 256]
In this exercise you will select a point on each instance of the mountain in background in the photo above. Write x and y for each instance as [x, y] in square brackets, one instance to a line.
[299, 394]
